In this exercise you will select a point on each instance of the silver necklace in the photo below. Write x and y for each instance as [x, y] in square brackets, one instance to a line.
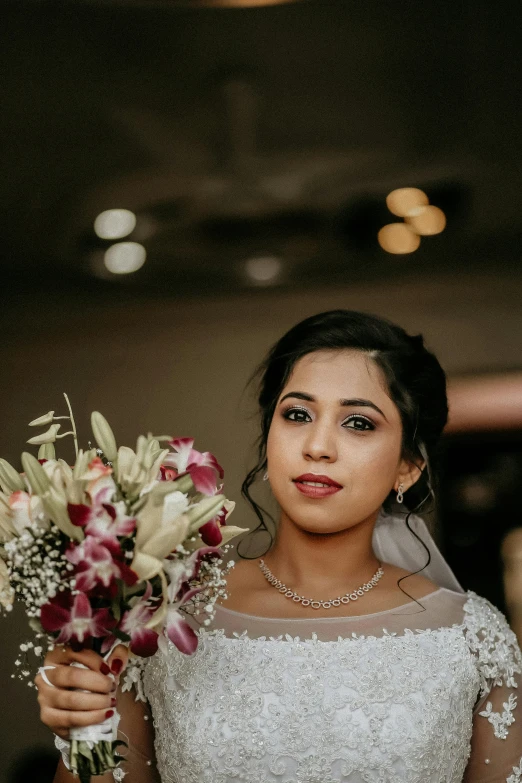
[299, 599]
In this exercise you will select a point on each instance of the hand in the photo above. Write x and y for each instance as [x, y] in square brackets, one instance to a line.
[64, 706]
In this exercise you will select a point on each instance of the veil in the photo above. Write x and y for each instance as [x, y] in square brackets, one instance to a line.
[394, 543]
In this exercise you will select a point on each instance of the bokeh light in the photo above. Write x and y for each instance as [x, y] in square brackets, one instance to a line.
[398, 238]
[115, 223]
[125, 257]
[427, 221]
[263, 270]
[400, 202]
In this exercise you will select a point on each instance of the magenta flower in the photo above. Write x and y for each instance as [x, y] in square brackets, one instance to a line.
[96, 565]
[202, 467]
[179, 632]
[143, 641]
[210, 532]
[180, 573]
[75, 619]
[104, 522]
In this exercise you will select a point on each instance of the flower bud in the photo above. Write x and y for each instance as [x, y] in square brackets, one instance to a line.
[10, 479]
[49, 436]
[42, 421]
[46, 451]
[104, 436]
[36, 475]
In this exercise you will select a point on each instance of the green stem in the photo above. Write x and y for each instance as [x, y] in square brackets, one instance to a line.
[75, 435]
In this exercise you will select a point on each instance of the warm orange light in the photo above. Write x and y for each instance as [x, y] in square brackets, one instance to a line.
[427, 221]
[398, 238]
[400, 202]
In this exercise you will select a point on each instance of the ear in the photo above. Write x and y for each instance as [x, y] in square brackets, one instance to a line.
[409, 474]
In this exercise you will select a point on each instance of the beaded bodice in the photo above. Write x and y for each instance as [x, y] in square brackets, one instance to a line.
[351, 702]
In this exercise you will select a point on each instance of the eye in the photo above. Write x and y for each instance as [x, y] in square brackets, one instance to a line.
[298, 415]
[360, 423]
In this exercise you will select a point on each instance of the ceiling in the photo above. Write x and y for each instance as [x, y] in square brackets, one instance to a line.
[236, 133]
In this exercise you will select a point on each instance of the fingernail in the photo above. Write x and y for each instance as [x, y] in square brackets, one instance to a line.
[113, 701]
[116, 666]
[109, 714]
[104, 668]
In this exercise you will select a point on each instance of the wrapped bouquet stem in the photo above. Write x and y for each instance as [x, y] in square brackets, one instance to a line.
[113, 549]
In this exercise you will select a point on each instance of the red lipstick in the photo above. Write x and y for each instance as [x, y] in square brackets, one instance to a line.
[315, 485]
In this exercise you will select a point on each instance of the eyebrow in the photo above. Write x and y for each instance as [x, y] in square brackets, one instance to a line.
[355, 402]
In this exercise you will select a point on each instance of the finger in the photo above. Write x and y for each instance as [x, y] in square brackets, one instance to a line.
[71, 719]
[62, 654]
[61, 699]
[74, 677]
[118, 659]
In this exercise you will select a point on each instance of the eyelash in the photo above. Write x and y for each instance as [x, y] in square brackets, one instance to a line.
[353, 417]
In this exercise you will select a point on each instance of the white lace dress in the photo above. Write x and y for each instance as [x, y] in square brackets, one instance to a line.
[401, 696]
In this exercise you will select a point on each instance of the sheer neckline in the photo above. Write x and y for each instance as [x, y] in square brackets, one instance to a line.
[221, 608]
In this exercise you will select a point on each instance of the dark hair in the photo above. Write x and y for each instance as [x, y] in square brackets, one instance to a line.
[416, 383]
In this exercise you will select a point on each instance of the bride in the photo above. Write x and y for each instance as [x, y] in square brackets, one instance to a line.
[349, 653]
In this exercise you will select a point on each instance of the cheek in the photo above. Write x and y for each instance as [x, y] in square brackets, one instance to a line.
[276, 448]
[369, 461]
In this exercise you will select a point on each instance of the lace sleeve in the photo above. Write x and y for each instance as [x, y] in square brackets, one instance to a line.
[496, 745]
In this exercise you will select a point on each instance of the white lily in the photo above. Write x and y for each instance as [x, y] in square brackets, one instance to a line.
[138, 470]
[231, 531]
[7, 531]
[10, 479]
[104, 436]
[149, 556]
[26, 511]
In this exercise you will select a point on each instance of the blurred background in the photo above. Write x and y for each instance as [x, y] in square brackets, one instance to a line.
[248, 149]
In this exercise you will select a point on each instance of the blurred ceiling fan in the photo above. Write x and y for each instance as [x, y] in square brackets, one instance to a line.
[219, 186]
[212, 190]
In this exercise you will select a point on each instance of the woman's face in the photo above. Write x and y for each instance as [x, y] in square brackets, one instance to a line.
[334, 423]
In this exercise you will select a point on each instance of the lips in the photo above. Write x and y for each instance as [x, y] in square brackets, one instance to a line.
[313, 485]
[316, 478]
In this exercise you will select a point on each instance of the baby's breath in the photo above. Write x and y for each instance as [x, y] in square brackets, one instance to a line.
[37, 567]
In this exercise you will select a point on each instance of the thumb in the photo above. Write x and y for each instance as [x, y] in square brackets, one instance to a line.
[118, 659]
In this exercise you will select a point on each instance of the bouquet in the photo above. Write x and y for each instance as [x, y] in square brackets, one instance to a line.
[116, 548]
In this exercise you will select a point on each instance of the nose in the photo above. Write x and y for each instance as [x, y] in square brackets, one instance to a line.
[320, 443]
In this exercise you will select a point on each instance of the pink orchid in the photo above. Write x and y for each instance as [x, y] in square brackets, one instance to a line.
[143, 641]
[180, 574]
[210, 532]
[104, 522]
[75, 619]
[101, 487]
[179, 632]
[202, 467]
[96, 565]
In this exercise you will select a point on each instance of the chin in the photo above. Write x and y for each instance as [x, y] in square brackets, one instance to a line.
[317, 525]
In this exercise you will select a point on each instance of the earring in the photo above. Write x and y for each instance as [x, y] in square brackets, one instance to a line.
[265, 477]
[400, 495]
